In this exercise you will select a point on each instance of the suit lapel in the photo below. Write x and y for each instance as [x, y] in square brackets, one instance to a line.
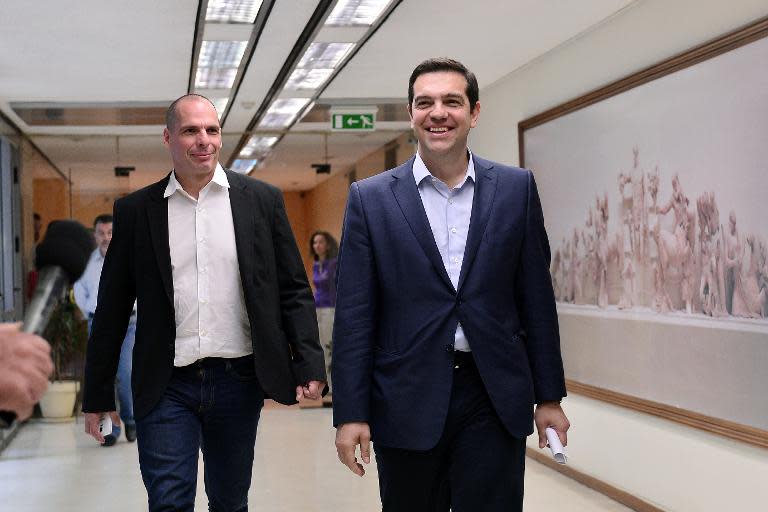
[409, 200]
[157, 214]
[485, 191]
[243, 221]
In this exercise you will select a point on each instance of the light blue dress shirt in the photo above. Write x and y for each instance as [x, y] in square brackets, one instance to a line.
[449, 212]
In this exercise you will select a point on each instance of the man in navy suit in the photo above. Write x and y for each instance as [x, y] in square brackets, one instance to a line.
[446, 331]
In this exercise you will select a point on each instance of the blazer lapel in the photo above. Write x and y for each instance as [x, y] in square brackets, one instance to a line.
[243, 221]
[485, 191]
[157, 214]
[409, 200]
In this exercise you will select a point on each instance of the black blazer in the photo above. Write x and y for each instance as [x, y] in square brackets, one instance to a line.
[278, 299]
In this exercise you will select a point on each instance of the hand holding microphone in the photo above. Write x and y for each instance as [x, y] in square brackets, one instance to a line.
[25, 358]
[25, 365]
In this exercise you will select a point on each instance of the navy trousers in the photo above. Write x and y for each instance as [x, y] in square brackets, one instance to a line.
[213, 405]
[476, 466]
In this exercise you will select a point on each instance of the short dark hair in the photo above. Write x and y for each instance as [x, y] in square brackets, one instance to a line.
[445, 64]
[333, 245]
[104, 218]
[170, 114]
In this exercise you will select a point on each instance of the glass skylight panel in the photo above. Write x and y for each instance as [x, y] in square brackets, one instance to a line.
[258, 145]
[232, 11]
[356, 12]
[307, 79]
[324, 55]
[244, 166]
[283, 112]
[218, 63]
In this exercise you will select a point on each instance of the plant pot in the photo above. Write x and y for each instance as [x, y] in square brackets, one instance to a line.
[59, 401]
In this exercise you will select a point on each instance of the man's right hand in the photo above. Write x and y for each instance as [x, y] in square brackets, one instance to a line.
[348, 436]
[92, 420]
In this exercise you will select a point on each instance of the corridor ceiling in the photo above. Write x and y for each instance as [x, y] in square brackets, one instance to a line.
[87, 81]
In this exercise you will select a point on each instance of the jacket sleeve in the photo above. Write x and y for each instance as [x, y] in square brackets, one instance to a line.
[117, 293]
[536, 302]
[354, 327]
[297, 304]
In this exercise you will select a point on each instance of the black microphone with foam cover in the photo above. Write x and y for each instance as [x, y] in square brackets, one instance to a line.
[61, 259]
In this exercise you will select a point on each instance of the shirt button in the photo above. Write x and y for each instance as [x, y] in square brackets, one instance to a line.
[203, 332]
[201, 239]
[203, 270]
[450, 201]
[453, 230]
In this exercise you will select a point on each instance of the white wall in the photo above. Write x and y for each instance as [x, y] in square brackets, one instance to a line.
[672, 466]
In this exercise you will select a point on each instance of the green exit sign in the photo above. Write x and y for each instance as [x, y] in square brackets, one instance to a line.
[352, 121]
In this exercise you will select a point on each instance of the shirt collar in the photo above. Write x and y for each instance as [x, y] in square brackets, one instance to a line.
[420, 170]
[219, 178]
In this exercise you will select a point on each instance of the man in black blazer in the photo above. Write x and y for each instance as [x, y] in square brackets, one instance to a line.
[446, 331]
[226, 317]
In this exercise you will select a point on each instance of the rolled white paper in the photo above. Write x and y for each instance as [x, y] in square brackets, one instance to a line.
[558, 452]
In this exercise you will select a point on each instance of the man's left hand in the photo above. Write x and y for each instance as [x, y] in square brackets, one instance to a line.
[313, 390]
[550, 414]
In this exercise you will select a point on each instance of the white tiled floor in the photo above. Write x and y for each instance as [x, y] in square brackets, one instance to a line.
[57, 467]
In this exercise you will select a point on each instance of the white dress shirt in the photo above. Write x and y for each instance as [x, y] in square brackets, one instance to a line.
[449, 211]
[211, 319]
[87, 287]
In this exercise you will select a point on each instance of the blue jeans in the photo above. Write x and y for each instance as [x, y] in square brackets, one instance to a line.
[124, 393]
[214, 405]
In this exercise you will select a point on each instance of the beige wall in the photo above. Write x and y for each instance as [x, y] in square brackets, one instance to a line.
[672, 466]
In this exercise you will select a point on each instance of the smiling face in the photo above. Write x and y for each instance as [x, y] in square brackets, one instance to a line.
[194, 138]
[441, 114]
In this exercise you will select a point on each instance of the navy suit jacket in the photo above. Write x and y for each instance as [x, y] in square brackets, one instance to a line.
[397, 311]
[278, 299]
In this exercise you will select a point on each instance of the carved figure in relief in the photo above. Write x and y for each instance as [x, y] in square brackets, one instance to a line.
[749, 299]
[675, 247]
[637, 223]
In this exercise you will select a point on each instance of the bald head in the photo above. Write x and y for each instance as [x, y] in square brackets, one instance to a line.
[172, 115]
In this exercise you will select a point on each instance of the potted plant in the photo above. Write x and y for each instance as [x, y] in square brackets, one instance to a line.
[67, 333]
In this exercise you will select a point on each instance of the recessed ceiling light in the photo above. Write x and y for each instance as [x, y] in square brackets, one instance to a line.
[244, 166]
[258, 145]
[356, 12]
[283, 112]
[218, 63]
[232, 11]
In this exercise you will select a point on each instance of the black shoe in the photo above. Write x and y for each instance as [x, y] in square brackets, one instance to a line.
[111, 439]
[130, 433]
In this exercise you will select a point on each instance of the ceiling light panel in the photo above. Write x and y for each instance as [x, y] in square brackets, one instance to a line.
[349, 13]
[282, 112]
[324, 55]
[220, 104]
[244, 166]
[232, 11]
[258, 145]
[307, 79]
[218, 63]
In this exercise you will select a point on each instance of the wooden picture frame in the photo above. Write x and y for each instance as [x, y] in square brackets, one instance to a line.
[620, 351]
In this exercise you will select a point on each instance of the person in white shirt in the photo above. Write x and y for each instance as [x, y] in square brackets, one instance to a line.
[226, 317]
[86, 294]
